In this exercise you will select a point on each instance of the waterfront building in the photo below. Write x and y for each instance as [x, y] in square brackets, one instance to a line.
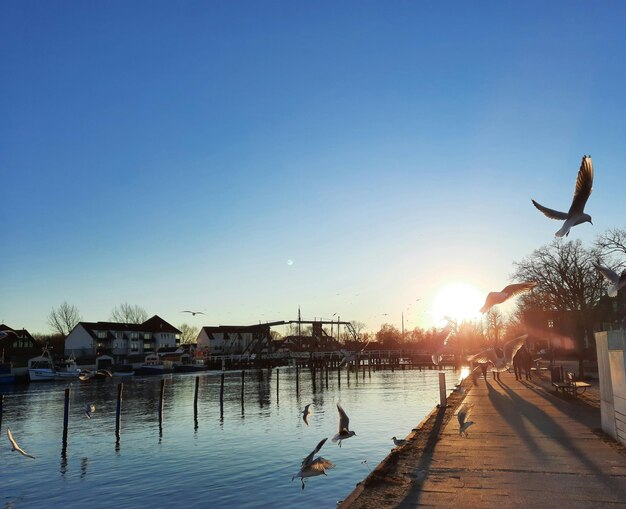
[235, 339]
[17, 346]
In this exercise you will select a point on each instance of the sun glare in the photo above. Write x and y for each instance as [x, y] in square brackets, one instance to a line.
[459, 301]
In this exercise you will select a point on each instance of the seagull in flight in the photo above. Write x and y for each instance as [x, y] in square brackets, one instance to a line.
[313, 467]
[506, 293]
[462, 416]
[17, 447]
[193, 313]
[344, 422]
[576, 214]
[617, 282]
[352, 356]
[501, 361]
[306, 413]
[441, 339]
[398, 442]
[89, 409]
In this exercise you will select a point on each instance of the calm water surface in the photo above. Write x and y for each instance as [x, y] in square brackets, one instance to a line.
[245, 459]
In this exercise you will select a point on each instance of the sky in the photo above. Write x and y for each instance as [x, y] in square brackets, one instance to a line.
[245, 159]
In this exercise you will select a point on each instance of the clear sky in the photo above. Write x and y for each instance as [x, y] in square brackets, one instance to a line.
[244, 158]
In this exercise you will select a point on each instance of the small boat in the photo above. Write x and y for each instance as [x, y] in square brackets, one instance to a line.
[154, 366]
[43, 368]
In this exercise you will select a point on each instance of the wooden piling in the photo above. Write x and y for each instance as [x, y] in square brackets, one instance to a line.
[118, 410]
[297, 381]
[326, 376]
[222, 395]
[339, 377]
[277, 382]
[195, 399]
[161, 396]
[66, 416]
[1, 402]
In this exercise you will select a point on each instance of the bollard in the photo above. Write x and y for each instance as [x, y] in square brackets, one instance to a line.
[66, 416]
[443, 401]
[118, 410]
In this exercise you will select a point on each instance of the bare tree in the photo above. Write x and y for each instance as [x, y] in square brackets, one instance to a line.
[126, 313]
[64, 318]
[612, 245]
[494, 325]
[188, 333]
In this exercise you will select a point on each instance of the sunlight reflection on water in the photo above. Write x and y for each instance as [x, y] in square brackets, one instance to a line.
[244, 460]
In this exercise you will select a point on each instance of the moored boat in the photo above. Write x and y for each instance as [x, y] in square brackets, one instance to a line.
[43, 368]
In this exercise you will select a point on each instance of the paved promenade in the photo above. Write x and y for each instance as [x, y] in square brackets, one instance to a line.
[528, 448]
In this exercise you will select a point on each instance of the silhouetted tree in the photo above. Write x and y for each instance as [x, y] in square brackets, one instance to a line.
[64, 318]
[188, 333]
[126, 313]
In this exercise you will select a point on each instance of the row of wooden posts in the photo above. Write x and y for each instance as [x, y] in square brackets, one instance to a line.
[120, 393]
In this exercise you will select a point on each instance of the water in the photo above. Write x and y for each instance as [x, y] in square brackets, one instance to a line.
[243, 460]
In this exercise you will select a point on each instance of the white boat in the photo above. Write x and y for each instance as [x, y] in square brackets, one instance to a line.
[43, 368]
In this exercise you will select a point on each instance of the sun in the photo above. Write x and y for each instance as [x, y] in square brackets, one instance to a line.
[459, 301]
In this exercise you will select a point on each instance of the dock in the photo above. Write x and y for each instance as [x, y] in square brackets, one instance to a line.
[527, 448]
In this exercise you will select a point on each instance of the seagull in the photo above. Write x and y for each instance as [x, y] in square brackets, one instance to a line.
[351, 356]
[575, 215]
[500, 362]
[305, 414]
[194, 313]
[17, 447]
[617, 282]
[506, 293]
[344, 421]
[313, 467]
[441, 339]
[399, 442]
[89, 409]
[462, 416]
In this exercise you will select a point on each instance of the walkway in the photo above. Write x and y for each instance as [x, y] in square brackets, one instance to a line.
[528, 448]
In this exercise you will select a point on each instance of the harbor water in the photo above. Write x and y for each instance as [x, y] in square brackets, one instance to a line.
[241, 457]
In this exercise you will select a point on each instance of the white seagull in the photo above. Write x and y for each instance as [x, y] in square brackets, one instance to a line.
[398, 442]
[89, 409]
[344, 422]
[500, 362]
[313, 467]
[194, 313]
[17, 447]
[506, 293]
[306, 413]
[617, 282]
[462, 416]
[576, 214]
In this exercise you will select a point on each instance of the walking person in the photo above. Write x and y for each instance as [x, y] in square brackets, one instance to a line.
[518, 361]
[527, 363]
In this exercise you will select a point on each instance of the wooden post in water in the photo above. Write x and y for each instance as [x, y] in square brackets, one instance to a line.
[348, 372]
[1, 402]
[339, 377]
[161, 395]
[66, 416]
[195, 400]
[277, 382]
[327, 376]
[297, 381]
[222, 395]
[243, 389]
[118, 410]
[443, 401]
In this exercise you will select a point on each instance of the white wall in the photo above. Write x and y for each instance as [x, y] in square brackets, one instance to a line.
[611, 347]
[79, 342]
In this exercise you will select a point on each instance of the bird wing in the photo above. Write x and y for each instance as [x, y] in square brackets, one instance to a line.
[344, 421]
[320, 464]
[365, 345]
[309, 459]
[584, 185]
[187, 311]
[517, 288]
[306, 413]
[17, 447]
[484, 357]
[490, 301]
[511, 347]
[551, 213]
[463, 413]
[608, 274]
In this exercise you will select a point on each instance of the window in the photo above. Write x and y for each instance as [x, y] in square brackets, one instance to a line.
[101, 334]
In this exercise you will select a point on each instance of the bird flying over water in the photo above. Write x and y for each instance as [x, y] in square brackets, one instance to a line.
[503, 360]
[506, 293]
[617, 282]
[17, 447]
[313, 467]
[193, 313]
[576, 214]
[462, 415]
[89, 409]
[344, 431]
[306, 413]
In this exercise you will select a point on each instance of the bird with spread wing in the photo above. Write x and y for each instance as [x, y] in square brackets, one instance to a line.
[311, 467]
[617, 281]
[500, 362]
[494, 298]
[17, 447]
[344, 431]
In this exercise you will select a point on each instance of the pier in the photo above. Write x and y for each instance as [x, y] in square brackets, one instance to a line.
[528, 448]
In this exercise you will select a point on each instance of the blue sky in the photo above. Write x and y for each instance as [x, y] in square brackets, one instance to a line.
[176, 155]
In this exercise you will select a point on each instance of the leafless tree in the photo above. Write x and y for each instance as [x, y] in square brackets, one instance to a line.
[612, 246]
[188, 333]
[494, 325]
[64, 318]
[126, 313]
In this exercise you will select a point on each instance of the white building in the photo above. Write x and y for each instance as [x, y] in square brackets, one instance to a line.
[121, 339]
[233, 339]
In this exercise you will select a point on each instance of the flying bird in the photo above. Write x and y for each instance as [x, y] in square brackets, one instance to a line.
[17, 447]
[344, 431]
[441, 339]
[506, 293]
[306, 413]
[194, 313]
[89, 409]
[352, 356]
[313, 467]
[5, 333]
[617, 282]
[576, 214]
[503, 360]
[399, 442]
[462, 416]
